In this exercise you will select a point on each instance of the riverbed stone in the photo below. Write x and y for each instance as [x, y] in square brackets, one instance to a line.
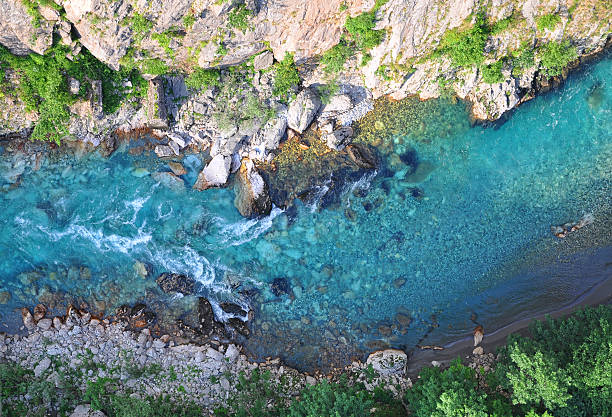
[388, 362]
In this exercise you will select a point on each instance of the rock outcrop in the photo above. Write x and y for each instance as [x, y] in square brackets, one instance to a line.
[388, 362]
[252, 197]
[215, 174]
[303, 110]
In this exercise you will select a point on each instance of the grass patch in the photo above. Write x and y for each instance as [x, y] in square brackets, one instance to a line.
[238, 18]
[202, 78]
[466, 47]
[333, 59]
[547, 21]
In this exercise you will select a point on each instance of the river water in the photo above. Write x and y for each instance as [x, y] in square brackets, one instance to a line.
[419, 258]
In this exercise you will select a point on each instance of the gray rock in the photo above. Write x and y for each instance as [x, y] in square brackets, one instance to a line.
[303, 110]
[157, 117]
[214, 354]
[175, 148]
[18, 31]
[388, 362]
[338, 139]
[215, 174]
[263, 60]
[252, 195]
[42, 366]
[74, 85]
[163, 151]
[44, 324]
[232, 353]
[86, 411]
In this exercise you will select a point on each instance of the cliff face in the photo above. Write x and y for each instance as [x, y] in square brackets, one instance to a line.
[186, 34]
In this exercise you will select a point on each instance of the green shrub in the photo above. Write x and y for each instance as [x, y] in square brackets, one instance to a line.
[556, 55]
[522, 59]
[239, 18]
[547, 21]
[565, 367]
[327, 91]
[153, 66]
[333, 59]
[361, 29]
[501, 25]
[466, 47]
[492, 74]
[332, 400]
[163, 39]
[453, 393]
[140, 26]
[203, 78]
[286, 77]
[188, 20]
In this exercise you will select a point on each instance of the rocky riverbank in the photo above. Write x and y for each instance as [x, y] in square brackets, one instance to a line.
[90, 349]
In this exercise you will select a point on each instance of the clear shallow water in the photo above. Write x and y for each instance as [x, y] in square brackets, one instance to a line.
[476, 245]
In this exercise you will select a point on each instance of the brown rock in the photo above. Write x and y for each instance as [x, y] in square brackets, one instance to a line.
[177, 168]
[39, 312]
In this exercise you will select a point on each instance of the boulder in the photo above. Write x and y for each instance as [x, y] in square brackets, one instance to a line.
[163, 151]
[303, 110]
[388, 362]
[338, 139]
[170, 282]
[177, 168]
[339, 103]
[269, 136]
[215, 174]
[85, 410]
[169, 180]
[252, 195]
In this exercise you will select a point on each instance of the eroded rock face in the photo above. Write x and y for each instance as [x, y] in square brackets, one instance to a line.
[19, 33]
[252, 196]
[338, 139]
[388, 362]
[303, 110]
[215, 174]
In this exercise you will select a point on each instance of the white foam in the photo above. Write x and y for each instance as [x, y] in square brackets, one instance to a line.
[105, 243]
[236, 234]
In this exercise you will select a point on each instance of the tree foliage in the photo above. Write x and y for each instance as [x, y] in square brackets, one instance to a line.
[286, 78]
[466, 47]
[556, 55]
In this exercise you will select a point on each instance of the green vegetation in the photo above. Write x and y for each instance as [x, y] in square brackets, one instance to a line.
[466, 47]
[202, 78]
[492, 74]
[333, 59]
[140, 26]
[163, 39]
[361, 29]
[547, 21]
[188, 20]
[503, 24]
[153, 66]
[522, 59]
[556, 55]
[564, 369]
[286, 77]
[43, 86]
[342, 7]
[327, 91]
[32, 7]
[238, 17]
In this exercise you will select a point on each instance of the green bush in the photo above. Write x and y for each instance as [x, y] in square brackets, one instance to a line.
[331, 400]
[547, 21]
[522, 59]
[333, 59]
[556, 55]
[466, 47]
[565, 367]
[286, 77]
[239, 17]
[361, 29]
[188, 20]
[153, 66]
[502, 25]
[203, 78]
[453, 392]
[140, 26]
[492, 74]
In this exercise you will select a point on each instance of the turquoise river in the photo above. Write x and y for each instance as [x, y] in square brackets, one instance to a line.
[472, 245]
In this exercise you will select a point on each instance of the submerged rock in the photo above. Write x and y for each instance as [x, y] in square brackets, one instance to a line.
[388, 362]
[280, 286]
[215, 174]
[169, 180]
[252, 195]
[170, 283]
[339, 138]
[363, 156]
[303, 109]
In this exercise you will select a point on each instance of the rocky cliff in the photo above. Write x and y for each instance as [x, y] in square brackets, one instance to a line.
[245, 61]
